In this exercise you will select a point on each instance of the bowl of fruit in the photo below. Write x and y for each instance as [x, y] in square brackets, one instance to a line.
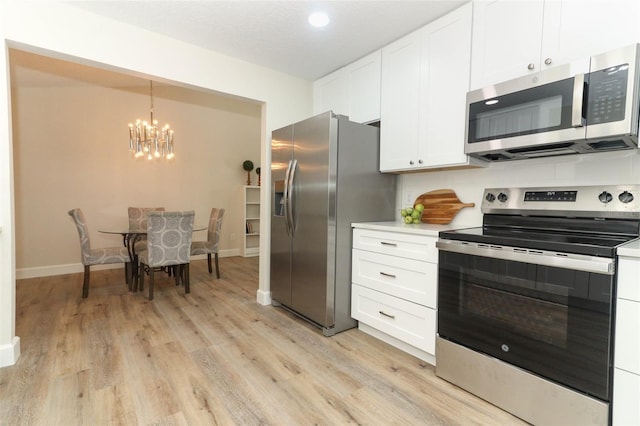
[412, 215]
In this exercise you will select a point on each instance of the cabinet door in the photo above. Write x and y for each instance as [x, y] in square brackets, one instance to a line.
[331, 93]
[446, 67]
[364, 88]
[579, 29]
[507, 38]
[400, 103]
[626, 388]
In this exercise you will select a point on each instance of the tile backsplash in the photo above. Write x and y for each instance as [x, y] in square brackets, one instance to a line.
[610, 168]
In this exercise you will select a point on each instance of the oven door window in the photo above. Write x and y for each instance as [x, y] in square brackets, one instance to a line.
[554, 322]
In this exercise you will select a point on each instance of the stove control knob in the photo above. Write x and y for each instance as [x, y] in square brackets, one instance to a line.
[502, 197]
[605, 197]
[626, 197]
[490, 197]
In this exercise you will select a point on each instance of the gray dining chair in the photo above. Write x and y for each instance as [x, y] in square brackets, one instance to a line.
[96, 256]
[210, 246]
[168, 247]
[138, 221]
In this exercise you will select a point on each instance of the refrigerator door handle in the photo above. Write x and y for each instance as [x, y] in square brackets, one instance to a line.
[290, 198]
[285, 197]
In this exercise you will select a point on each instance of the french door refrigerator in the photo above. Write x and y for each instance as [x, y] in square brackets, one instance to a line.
[324, 176]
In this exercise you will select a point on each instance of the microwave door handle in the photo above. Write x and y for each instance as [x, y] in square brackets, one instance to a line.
[579, 89]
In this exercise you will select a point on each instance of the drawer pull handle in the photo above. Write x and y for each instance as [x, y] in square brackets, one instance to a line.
[387, 275]
[383, 313]
[384, 243]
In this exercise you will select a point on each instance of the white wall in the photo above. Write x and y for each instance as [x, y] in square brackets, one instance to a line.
[612, 168]
[55, 29]
[71, 150]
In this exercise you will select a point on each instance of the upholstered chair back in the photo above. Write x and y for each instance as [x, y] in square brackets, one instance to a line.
[169, 237]
[83, 232]
[215, 224]
[138, 216]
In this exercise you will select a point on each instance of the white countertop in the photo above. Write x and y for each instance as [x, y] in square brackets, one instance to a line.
[398, 226]
[630, 249]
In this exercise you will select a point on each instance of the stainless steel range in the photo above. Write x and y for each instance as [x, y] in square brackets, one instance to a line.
[526, 302]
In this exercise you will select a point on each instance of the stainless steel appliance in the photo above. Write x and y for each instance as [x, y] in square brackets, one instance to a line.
[526, 302]
[324, 175]
[583, 107]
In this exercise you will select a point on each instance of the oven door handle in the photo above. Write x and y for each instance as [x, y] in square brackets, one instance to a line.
[577, 262]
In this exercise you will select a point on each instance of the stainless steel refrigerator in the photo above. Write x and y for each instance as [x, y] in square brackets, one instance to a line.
[324, 176]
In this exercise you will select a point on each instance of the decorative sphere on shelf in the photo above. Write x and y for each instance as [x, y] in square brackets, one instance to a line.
[247, 165]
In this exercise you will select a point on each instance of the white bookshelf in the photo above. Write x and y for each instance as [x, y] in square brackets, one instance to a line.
[251, 221]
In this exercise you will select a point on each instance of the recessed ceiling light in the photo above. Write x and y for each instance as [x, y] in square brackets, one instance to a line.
[319, 19]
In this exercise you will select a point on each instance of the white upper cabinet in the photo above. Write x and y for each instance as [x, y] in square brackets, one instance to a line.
[514, 38]
[579, 29]
[506, 40]
[400, 103]
[364, 88]
[353, 91]
[331, 92]
[425, 78]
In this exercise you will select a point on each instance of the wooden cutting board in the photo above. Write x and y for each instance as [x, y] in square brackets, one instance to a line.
[440, 206]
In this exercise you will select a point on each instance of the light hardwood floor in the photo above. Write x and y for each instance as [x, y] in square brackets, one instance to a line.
[213, 357]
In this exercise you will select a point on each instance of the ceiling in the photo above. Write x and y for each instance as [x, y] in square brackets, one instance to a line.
[275, 34]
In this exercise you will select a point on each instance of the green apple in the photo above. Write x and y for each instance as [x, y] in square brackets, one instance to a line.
[416, 214]
[419, 207]
[403, 212]
[409, 210]
[408, 220]
[415, 221]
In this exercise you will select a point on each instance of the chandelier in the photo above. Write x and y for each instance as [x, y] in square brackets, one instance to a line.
[146, 139]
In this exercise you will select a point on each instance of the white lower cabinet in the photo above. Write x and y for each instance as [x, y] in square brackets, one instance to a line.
[409, 322]
[626, 376]
[394, 288]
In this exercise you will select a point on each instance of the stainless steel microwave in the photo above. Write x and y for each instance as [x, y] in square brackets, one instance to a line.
[583, 107]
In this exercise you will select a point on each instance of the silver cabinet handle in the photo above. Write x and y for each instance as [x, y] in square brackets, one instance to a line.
[387, 315]
[384, 243]
[387, 275]
[547, 61]
[531, 66]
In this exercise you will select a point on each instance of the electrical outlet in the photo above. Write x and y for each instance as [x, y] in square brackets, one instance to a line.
[410, 197]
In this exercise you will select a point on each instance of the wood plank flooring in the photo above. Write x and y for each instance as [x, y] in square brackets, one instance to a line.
[213, 357]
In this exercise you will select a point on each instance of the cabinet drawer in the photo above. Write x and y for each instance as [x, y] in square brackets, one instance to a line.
[409, 322]
[408, 279]
[418, 247]
[627, 353]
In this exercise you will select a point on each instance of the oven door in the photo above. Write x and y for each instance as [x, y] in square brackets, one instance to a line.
[550, 317]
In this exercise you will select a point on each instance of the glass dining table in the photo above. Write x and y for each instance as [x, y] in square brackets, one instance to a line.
[129, 238]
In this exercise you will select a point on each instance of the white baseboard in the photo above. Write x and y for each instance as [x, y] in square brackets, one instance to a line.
[263, 297]
[418, 353]
[10, 352]
[74, 268]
